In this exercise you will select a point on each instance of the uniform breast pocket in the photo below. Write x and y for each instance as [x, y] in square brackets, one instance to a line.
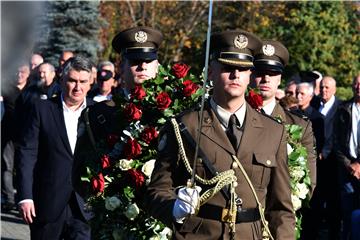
[262, 166]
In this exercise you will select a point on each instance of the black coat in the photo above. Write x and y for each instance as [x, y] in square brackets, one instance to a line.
[45, 161]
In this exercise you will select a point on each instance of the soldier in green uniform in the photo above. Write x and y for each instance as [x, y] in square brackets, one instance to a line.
[270, 61]
[243, 148]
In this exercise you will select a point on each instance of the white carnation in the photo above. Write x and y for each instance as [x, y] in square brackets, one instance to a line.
[148, 167]
[132, 210]
[111, 203]
[297, 173]
[301, 190]
[155, 237]
[125, 164]
[289, 149]
[296, 202]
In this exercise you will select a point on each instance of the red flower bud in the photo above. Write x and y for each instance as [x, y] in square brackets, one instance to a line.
[180, 70]
[98, 183]
[136, 178]
[254, 99]
[132, 112]
[138, 92]
[163, 101]
[149, 134]
[132, 149]
[189, 88]
[105, 161]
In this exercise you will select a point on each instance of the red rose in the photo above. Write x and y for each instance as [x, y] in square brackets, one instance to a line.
[149, 134]
[132, 112]
[163, 101]
[132, 149]
[136, 178]
[98, 183]
[105, 161]
[112, 139]
[180, 70]
[254, 99]
[138, 92]
[189, 88]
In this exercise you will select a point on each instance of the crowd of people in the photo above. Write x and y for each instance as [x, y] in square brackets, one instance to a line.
[44, 124]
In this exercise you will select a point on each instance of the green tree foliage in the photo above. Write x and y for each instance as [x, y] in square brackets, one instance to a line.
[320, 35]
[69, 25]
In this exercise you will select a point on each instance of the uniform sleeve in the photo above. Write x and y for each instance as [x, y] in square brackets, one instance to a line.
[160, 197]
[279, 209]
[27, 153]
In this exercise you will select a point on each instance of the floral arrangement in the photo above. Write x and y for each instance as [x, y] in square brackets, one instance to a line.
[297, 161]
[117, 178]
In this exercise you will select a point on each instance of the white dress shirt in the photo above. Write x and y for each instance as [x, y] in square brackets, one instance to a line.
[224, 115]
[354, 137]
[71, 119]
[100, 98]
[269, 108]
[325, 107]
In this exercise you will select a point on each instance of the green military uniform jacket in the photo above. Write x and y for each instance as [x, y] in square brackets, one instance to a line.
[262, 152]
[307, 139]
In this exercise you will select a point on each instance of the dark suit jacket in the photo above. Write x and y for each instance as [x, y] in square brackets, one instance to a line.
[45, 161]
[329, 120]
[317, 120]
[262, 152]
[307, 139]
[342, 133]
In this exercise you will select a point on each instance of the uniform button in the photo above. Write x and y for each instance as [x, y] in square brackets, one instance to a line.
[207, 120]
[235, 165]
[268, 162]
[200, 160]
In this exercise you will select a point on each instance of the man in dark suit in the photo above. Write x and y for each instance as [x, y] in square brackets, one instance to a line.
[270, 61]
[233, 135]
[347, 152]
[45, 160]
[327, 104]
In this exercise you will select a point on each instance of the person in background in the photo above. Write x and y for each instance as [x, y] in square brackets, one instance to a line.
[48, 202]
[106, 82]
[9, 133]
[347, 155]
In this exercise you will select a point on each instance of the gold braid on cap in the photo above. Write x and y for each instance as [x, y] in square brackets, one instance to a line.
[233, 62]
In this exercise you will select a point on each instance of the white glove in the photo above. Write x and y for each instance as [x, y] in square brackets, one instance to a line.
[186, 202]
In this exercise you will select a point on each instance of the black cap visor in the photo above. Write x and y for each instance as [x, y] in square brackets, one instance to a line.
[141, 54]
[268, 65]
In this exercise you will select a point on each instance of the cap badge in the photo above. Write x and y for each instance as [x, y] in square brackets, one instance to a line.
[241, 41]
[268, 49]
[140, 36]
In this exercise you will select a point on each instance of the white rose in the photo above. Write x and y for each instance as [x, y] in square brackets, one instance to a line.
[124, 164]
[132, 211]
[289, 149]
[296, 202]
[148, 167]
[165, 233]
[111, 203]
[297, 173]
[301, 190]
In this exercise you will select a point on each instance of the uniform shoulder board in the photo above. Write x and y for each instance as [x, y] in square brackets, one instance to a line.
[299, 114]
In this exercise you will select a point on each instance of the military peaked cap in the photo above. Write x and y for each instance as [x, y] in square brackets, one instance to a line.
[138, 43]
[273, 56]
[236, 47]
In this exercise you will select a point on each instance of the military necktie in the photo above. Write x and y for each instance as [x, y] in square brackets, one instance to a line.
[233, 132]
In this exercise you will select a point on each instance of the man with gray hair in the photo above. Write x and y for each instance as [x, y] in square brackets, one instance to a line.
[48, 202]
[105, 81]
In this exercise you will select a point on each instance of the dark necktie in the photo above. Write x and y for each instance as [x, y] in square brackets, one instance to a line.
[234, 132]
